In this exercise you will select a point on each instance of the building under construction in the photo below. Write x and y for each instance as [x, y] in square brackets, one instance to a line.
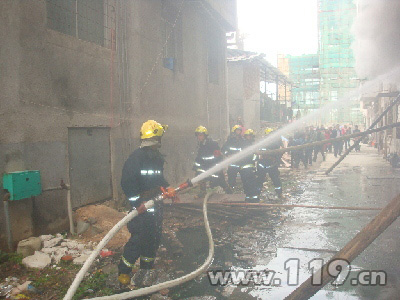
[330, 75]
[336, 59]
[304, 73]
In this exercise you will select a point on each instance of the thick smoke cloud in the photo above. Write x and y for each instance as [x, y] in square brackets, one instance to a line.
[377, 43]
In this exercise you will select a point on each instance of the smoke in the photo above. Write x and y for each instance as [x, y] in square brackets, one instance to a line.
[377, 38]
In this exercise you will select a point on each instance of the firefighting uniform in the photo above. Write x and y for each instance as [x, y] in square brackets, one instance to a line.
[268, 164]
[246, 167]
[208, 155]
[142, 177]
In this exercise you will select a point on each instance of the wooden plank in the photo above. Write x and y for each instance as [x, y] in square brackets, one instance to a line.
[352, 249]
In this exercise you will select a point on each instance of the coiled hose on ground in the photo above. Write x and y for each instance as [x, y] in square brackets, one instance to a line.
[151, 289]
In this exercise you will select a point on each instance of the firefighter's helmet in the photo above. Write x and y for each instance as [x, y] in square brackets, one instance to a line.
[151, 129]
[268, 130]
[236, 127]
[249, 132]
[201, 129]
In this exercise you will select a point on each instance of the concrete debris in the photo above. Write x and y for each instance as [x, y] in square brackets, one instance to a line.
[39, 260]
[29, 246]
[66, 247]
[52, 242]
[46, 237]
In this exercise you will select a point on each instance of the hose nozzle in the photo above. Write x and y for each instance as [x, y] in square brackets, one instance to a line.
[184, 186]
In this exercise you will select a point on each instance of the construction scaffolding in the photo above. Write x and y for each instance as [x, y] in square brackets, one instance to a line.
[336, 58]
[303, 71]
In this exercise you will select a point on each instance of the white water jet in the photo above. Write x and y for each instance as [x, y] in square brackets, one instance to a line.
[342, 103]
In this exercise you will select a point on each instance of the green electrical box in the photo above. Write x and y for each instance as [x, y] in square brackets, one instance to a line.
[23, 184]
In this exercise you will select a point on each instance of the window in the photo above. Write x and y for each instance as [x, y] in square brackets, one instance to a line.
[172, 37]
[89, 20]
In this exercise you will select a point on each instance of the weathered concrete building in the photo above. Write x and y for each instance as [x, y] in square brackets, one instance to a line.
[79, 77]
[373, 104]
[247, 71]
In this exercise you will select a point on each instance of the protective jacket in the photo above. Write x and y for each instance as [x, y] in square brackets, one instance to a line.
[208, 155]
[270, 160]
[250, 159]
[143, 175]
[233, 145]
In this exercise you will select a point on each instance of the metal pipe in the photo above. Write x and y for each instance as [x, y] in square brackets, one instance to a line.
[6, 198]
[64, 186]
[70, 217]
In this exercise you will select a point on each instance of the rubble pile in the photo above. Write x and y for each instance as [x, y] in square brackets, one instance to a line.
[53, 249]
[95, 221]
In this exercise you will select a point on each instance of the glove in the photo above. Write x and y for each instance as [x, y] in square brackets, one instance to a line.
[217, 153]
[141, 208]
[168, 192]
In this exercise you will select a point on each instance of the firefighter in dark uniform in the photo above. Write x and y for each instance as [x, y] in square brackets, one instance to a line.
[233, 145]
[248, 170]
[142, 180]
[208, 155]
[268, 164]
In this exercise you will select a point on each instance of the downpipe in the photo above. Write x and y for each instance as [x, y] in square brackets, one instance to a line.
[155, 288]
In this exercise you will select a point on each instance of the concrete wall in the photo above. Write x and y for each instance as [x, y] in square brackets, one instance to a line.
[235, 92]
[244, 93]
[54, 81]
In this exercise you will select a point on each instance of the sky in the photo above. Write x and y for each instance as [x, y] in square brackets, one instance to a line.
[279, 26]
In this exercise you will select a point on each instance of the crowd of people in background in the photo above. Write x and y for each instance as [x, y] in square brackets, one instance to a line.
[313, 134]
[254, 168]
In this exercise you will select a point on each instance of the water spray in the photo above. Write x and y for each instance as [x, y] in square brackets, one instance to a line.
[274, 136]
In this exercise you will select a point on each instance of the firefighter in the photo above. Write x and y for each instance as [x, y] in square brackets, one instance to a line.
[233, 145]
[248, 170]
[269, 163]
[208, 155]
[142, 180]
[245, 167]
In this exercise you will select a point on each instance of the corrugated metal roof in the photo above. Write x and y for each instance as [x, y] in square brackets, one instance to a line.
[268, 72]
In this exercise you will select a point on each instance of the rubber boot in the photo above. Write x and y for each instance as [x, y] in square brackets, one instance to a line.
[124, 282]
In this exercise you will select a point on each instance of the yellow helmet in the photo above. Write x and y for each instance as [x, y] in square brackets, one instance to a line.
[249, 132]
[201, 129]
[152, 129]
[268, 130]
[236, 127]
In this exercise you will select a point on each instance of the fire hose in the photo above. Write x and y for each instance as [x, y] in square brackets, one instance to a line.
[155, 288]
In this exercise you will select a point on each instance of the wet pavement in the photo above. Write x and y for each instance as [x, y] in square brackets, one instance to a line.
[254, 238]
